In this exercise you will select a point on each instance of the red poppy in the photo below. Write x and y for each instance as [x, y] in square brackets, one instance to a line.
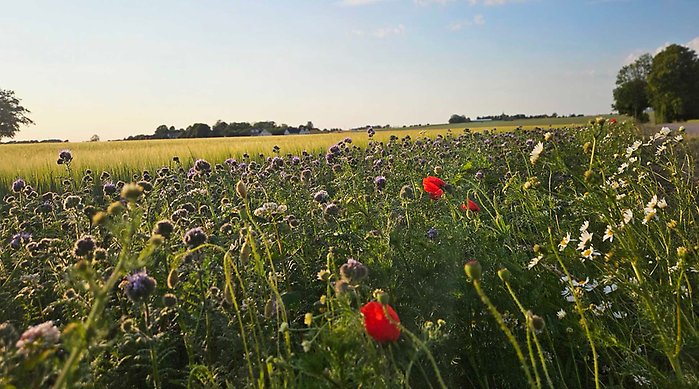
[377, 325]
[434, 186]
[612, 121]
[470, 206]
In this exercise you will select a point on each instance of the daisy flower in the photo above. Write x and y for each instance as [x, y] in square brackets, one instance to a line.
[536, 152]
[608, 234]
[564, 242]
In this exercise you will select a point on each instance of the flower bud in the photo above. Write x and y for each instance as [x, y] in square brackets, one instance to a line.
[504, 274]
[131, 192]
[169, 300]
[473, 270]
[241, 189]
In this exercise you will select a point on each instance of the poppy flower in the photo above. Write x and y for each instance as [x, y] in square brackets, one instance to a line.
[378, 326]
[434, 186]
[612, 121]
[470, 206]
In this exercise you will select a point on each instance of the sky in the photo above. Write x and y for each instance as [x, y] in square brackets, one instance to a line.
[120, 68]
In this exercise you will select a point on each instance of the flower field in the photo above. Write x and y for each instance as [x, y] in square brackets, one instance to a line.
[561, 258]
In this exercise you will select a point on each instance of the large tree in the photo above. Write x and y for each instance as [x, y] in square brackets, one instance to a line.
[631, 95]
[12, 115]
[674, 84]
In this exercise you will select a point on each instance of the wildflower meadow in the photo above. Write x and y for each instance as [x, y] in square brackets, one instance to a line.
[557, 258]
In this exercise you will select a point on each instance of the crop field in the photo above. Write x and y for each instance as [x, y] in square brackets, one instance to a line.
[556, 257]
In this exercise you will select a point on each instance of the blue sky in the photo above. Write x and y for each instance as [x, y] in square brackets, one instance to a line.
[118, 68]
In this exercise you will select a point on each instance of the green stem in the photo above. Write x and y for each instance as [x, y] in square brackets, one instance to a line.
[508, 333]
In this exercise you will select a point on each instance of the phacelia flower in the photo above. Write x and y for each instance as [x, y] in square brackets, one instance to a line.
[64, 157]
[353, 271]
[202, 166]
[164, 228]
[18, 185]
[381, 328]
[434, 186]
[380, 182]
[85, 246]
[138, 286]
[41, 335]
[321, 196]
[432, 233]
[109, 189]
[195, 237]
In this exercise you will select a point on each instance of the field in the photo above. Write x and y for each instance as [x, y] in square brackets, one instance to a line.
[123, 159]
[556, 257]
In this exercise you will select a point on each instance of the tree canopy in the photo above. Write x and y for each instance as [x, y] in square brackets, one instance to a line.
[674, 84]
[12, 114]
[668, 82]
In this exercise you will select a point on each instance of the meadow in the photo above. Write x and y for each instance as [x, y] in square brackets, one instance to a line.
[37, 162]
[557, 257]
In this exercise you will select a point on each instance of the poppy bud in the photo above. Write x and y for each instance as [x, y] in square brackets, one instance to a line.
[241, 189]
[99, 218]
[169, 300]
[115, 208]
[245, 252]
[536, 322]
[504, 275]
[473, 270]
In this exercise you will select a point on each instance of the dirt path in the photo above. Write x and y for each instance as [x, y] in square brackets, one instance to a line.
[691, 128]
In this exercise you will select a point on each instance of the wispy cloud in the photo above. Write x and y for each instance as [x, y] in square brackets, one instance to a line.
[494, 2]
[694, 44]
[430, 2]
[477, 20]
[382, 32]
[354, 3]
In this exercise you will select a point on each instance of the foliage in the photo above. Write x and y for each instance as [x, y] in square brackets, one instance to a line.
[455, 118]
[674, 84]
[631, 92]
[258, 277]
[12, 114]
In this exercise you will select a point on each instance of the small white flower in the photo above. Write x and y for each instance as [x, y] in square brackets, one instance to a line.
[653, 202]
[665, 131]
[662, 204]
[622, 167]
[631, 149]
[610, 288]
[564, 242]
[628, 216]
[589, 253]
[547, 136]
[534, 261]
[536, 152]
[650, 213]
[585, 237]
[584, 226]
[661, 148]
[608, 234]
[561, 314]
[679, 138]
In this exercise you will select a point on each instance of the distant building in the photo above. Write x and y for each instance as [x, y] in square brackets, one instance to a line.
[296, 131]
[258, 132]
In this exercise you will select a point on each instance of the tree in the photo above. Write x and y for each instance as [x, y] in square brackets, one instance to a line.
[198, 130]
[95, 138]
[674, 84]
[458, 119]
[12, 115]
[631, 92]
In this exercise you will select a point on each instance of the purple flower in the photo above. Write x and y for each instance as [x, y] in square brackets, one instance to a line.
[432, 233]
[139, 286]
[295, 160]
[195, 237]
[19, 239]
[321, 196]
[18, 185]
[64, 157]
[109, 189]
[479, 175]
[348, 140]
[380, 182]
[202, 166]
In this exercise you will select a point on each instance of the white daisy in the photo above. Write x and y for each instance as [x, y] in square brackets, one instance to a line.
[564, 242]
[608, 234]
[561, 314]
[536, 152]
[584, 226]
[585, 237]
[534, 261]
[589, 253]
[662, 203]
[628, 216]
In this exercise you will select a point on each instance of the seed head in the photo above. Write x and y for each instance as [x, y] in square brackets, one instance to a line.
[473, 270]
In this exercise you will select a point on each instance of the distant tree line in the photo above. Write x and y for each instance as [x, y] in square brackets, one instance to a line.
[222, 129]
[668, 82]
[456, 118]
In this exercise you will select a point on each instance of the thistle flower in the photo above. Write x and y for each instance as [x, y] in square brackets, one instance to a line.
[42, 335]
[109, 189]
[321, 196]
[195, 237]
[138, 286]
